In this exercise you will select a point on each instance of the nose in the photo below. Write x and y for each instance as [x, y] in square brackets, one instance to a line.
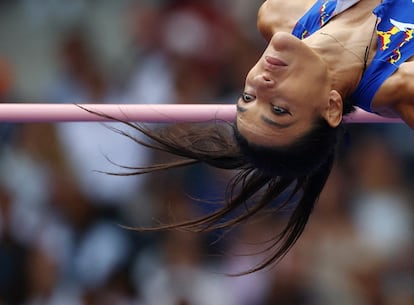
[263, 81]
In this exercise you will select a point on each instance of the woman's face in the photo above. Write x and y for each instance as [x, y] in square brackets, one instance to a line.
[285, 92]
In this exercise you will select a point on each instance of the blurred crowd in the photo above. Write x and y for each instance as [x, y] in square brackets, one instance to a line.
[65, 224]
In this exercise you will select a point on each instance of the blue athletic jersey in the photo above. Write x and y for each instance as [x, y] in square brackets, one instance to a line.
[395, 33]
[317, 16]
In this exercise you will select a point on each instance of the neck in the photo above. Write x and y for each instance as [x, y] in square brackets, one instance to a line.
[347, 45]
[345, 62]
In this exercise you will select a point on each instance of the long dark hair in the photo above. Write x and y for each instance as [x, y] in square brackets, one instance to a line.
[294, 175]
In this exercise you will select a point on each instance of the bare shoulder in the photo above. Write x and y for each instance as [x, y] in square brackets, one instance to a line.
[396, 95]
[280, 15]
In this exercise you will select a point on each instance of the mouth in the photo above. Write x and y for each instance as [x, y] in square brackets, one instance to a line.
[274, 61]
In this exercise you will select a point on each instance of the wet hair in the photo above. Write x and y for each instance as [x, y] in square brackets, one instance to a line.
[292, 176]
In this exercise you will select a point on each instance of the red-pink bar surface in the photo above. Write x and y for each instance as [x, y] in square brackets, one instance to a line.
[146, 113]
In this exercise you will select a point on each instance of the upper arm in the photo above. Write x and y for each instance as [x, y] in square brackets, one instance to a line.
[397, 94]
[280, 15]
[405, 102]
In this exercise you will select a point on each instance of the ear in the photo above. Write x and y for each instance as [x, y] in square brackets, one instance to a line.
[333, 111]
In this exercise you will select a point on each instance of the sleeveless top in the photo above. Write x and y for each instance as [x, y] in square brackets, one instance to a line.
[395, 32]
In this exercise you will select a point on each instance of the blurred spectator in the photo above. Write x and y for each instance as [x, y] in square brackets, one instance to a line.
[177, 63]
[82, 78]
[13, 256]
[178, 272]
[89, 148]
[7, 92]
[60, 240]
[381, 208]
[334, 255]
[245, 249]
[6, 79]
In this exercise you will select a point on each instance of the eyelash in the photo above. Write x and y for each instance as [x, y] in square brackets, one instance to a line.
[279, 110]
[246, 97]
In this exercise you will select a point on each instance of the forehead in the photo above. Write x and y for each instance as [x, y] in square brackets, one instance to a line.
[257, 130]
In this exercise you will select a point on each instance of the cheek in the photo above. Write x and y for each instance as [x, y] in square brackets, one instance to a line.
[245, 120]
[253, 71]
[245, 129]
[303, 100]
[306, 88]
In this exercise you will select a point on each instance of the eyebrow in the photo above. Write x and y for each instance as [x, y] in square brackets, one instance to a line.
[266, 119]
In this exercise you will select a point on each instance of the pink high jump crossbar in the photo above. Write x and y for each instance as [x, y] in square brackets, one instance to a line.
[145, 113]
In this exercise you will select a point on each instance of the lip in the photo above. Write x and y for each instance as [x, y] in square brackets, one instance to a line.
[274, 62]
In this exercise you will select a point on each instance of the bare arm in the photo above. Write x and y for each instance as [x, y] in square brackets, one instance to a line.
[280, 15]
[395, 98]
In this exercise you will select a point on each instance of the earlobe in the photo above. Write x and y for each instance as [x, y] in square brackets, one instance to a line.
[333, 113]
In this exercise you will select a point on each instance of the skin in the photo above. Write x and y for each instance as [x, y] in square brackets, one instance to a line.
[272, 108]
[296, 81]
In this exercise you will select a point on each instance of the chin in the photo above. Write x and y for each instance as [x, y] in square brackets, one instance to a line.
[282, 41]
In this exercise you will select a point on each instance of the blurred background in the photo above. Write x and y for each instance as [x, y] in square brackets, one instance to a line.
[61, 235]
